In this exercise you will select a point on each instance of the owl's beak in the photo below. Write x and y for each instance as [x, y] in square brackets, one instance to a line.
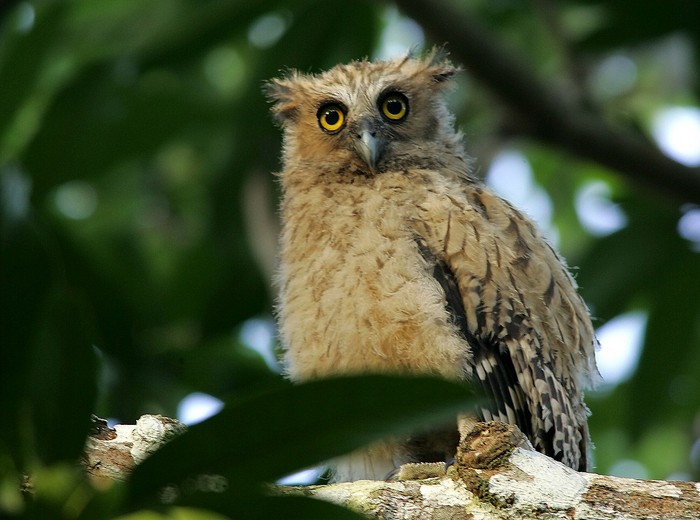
[369, 147]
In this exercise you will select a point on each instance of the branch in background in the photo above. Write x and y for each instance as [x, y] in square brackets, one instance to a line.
[112, 453]
[545, 113]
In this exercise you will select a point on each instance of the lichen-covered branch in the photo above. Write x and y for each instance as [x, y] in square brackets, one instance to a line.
[111, 453]
[509, 481]
[529, 486]
[496, 475]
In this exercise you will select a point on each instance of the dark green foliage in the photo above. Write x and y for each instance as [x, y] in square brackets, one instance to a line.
[262, 436]
[137, 222]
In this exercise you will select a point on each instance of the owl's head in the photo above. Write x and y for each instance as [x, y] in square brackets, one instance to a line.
[367, 117]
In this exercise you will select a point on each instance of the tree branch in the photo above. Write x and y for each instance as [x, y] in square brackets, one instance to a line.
[529, 486]
[111, 453]
[547, 114]
[496, 475]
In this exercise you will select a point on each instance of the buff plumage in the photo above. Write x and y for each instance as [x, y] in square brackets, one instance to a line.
[396, 259]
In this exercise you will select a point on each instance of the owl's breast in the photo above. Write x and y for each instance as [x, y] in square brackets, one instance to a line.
[356, 295]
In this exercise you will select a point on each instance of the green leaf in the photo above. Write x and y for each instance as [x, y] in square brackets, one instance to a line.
[666, 378]
[51, 383]
[621, 268]
[628, 22]
[25, 276]
[63, 377]
[265, 436]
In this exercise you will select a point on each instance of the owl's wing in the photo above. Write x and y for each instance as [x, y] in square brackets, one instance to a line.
[512, 300]
[493, 366]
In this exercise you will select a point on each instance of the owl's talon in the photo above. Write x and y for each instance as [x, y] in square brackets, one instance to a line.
[418, 471]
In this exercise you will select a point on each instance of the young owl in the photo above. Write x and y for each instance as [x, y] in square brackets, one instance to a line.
[395, 258]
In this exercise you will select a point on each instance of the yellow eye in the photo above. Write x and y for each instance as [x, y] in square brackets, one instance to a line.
[395, 107]
[331, 118]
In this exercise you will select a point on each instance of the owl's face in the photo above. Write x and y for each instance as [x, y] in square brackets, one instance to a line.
[364, 117]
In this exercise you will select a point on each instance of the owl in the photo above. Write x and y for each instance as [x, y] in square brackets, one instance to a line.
[395, 258]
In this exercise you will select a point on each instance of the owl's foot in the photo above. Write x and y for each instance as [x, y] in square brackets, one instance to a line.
[489, 444]
[418, 471]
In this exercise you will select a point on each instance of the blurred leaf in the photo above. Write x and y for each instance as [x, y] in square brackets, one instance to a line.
[63, 377]
[666, 358]
[222, 366]
[628, 22]
[607, 280]
[26, 274]
[28, 78]
[46, 340]
[109, 123]
[265, 436]
[664, 448]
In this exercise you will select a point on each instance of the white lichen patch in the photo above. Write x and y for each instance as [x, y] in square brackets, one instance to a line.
[660, 489]
[340, 493]
[652, 488]
[444, 492]
[355, 495]
[148, 434]
[540, 480]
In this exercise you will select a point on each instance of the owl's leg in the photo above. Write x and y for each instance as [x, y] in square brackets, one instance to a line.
[422, 470]
[374, 462]
[430, 454]
[466, 424]
[486, 444]
[481, 444]
[418, 471]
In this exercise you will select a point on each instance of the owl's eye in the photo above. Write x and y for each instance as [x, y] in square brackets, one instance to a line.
[331, 118]
[394, 107]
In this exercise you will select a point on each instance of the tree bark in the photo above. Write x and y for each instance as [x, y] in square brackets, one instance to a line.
[111, 453]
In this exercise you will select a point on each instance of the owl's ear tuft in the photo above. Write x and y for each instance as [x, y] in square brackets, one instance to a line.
[438, 65]
[444, 72]
[282, 93]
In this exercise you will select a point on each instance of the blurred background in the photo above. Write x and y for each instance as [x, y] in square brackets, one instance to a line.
[139, 215]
